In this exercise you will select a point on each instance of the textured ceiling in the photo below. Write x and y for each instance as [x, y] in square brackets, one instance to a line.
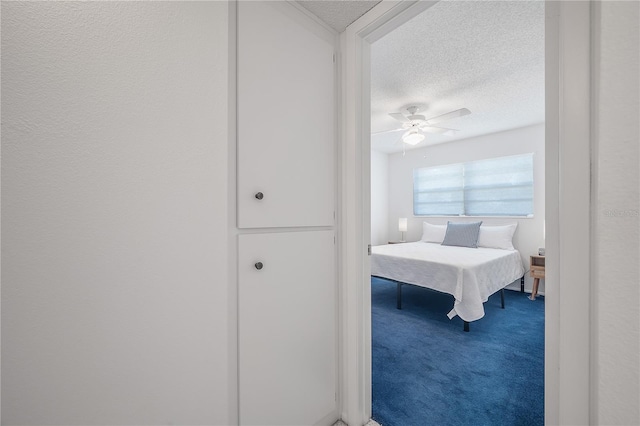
[487, 56]
[338, 14]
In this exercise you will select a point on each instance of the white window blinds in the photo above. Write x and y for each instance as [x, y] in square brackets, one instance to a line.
[494, 187]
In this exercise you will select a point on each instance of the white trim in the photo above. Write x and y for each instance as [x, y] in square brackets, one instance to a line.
[568, 158]
[355, 296]
[567, 206]
[596, 49]
[233, 372]
[304, 11]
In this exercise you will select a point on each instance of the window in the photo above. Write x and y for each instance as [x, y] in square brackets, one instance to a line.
[495, 187]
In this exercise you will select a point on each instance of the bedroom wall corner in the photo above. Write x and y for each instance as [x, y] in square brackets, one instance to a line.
[380, 200]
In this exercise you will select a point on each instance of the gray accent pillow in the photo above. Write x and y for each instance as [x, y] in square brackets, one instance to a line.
[462, 234]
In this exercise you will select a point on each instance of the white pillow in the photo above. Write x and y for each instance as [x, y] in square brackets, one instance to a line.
[499, 237]
[433, 233]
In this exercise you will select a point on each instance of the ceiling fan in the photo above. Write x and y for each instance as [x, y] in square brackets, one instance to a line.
[415, 126]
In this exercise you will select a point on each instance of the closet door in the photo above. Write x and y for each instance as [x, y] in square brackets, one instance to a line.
[286, 116]
[287, 327]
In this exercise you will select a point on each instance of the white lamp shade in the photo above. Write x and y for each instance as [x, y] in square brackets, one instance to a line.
[402, 224]
[412, 137]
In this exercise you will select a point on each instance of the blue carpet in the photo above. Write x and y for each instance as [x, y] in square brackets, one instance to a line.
[427, 371]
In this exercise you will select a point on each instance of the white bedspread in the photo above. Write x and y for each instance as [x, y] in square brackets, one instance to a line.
[471, 275]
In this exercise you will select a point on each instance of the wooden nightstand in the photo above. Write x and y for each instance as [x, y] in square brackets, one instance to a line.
[536, 270]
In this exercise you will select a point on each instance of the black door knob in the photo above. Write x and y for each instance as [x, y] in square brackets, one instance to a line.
[259, 265]
[259, 195]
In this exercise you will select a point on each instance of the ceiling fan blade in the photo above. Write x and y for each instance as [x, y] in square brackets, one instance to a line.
[386, 131]
[400, 117]
[437, 130]
[448, 116]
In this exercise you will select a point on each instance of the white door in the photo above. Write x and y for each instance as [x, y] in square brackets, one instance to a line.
[286, 118]
[287, 327]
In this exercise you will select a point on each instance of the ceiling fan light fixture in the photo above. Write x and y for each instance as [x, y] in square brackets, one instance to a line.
[412, 137]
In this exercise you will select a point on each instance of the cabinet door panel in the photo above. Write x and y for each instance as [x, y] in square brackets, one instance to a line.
[287, 328]
[286, 114]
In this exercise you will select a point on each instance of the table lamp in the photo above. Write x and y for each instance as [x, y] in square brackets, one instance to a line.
[402, 227]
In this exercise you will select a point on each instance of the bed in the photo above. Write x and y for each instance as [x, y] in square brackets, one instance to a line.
[470, 275]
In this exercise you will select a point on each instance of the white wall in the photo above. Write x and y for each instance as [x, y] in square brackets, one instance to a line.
[114, 213]
[616, 254]
[380, 200]
[529, 235]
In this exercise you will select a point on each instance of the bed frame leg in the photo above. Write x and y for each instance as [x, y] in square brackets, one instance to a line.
[466, 326]
[399, 295]
[522, 284]
[502, 298]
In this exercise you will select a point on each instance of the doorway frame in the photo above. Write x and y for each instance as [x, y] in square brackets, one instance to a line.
[568, 207]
